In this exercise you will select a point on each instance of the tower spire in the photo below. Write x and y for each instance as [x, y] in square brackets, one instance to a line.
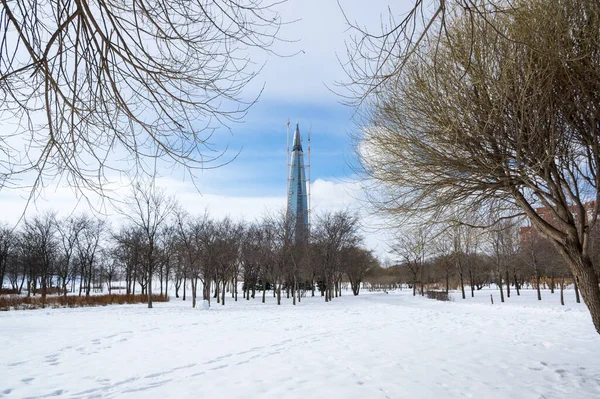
[297, 205]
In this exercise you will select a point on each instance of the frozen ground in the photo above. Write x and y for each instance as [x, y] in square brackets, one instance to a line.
[371, 346]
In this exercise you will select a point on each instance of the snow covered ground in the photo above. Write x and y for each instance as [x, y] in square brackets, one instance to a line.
[372, 346]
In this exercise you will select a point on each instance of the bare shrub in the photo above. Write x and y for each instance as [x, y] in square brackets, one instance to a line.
[438, 295]
[18, 302]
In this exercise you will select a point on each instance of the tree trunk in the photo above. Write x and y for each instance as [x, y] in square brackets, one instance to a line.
[264, 295]
[562, 286]
[537, 281]
[217, 292]
[279, 294]
[235, 287]
[223, 292]
[89, 282]
[587, 281]
[517, 284]
[507, 284]
[471, 283]
[44, 290]
[500, 284]
[447, 281]
[167, 282]
[22, 282]
[149, 289]
[552, 283]
[194, 291]
[414, 284]
[576, 288]
[184, 284]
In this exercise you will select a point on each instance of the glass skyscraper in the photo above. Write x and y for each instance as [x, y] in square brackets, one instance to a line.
[297, 205]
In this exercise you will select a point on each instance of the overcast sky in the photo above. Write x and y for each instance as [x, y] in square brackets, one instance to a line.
[295, 88]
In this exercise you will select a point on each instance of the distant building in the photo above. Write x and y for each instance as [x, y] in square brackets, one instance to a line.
[548, 216]
[297, 196]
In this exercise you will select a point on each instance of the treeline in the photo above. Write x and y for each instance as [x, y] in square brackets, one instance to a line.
[467, 259]
[160, 243]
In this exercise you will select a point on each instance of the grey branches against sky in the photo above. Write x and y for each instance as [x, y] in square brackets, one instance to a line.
[93, 90]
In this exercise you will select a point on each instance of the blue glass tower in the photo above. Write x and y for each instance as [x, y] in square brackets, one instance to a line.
[297, 205]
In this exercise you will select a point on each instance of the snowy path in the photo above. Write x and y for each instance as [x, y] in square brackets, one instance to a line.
[371, 346]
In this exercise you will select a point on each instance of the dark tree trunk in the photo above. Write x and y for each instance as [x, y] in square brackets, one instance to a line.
[279, 294]
[507, 284]
[537, 283]
[562, 287]
[499, 282]
[516, 280]
[22, 282]
[167, 282]
[447, 281]
[576, 288]
[471, 283]
[194, 291]
[583, 270]
[149, 290]
[223, 292]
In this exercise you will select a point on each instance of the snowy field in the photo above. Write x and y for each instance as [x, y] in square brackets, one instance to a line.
[371, 346]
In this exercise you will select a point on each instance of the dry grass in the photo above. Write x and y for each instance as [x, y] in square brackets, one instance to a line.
[18, 302]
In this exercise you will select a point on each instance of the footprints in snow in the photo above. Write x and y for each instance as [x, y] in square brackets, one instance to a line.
[106, 387]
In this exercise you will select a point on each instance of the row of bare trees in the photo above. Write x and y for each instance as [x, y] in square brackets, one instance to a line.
[159, 242]
[462, 257]
[48, 252]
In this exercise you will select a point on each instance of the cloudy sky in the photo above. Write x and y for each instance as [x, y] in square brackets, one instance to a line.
[295, 88]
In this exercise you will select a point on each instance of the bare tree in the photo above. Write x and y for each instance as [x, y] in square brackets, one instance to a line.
[92, 83]
[129, 253]
[357, 262]
[412, 247]
[111, 270]
[332, 233]
[89, 241]
[149, 209]
[68, 231]
[40, 233]
[257, 258]
[499, 109]
[8, 243]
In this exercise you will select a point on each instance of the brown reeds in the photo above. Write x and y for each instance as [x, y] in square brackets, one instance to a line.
[18, 302]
